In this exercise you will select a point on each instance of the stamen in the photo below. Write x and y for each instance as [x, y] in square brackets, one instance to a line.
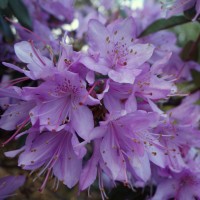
[18, 130]
[13, 82]
[45, 180]
[90, 91]
[33, 48]
[101, 187]
[29, 31]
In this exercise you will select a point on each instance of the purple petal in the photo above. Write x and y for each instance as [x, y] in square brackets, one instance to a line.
[89, 173]
[126, 29]
[165, 190]
[68, 167]
[131, 104]
[9, 184]
[124, 75]
[12, 154]
[99, 65]
[140, 165]
[97, 34]
[15, 115]
[82, 121]
[140, 54]
[13, 67]
[111, 156]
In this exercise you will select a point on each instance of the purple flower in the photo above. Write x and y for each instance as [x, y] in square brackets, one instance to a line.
[188, 111]
[42, 35]
[53, 153]
[84, 15]
[114, 52]
[165, 55]
[183, 185]
[149, 86]
[108, 99]
[16, 113]
[129, 145]
[68, 59]
[117, 97]
[9, 184]
[89, 171]
[60, 100]
[107, 4]
[39, 66]
[177, 138]
[182, 5]
[61, 9]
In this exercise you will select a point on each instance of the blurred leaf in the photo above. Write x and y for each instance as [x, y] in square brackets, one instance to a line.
[198, 53]
[3, 4]
[6, 30]
[21, 13]
[197, 102]
[187, 32]
[186, 87]
[163, 24]
[190, 13]
[196, 77]
[122, 13]
[188, 53]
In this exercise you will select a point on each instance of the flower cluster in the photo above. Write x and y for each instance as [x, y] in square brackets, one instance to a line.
[87, 115]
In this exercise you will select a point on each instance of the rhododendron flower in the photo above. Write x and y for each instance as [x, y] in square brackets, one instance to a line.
[128, 144]
[114, 51]
[182, 5]
[53, 152]
[176, 137]
[62, 9]
[183, 185]
[60, 100]
[16, 113]
[40, 67]
[114, 101]
[188, 111]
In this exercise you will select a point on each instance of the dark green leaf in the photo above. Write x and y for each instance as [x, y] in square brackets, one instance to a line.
[196, 77]
[198, 53]
[3, 4]
[21, 13]
[190, 52]
[190, 13]
[6, 30]
[163, 24]
[122, 13]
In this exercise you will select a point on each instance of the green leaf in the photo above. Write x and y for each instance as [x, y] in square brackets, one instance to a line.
[190, 52]
[163, 24]
[6, 30]
[186, 87]
[197, 102]
[187, 32]
[198, 53]
[3, 4]
[196, 77]
[21, 13]
[190, 13]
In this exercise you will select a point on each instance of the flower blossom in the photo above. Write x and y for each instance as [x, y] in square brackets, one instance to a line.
[114, 51]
